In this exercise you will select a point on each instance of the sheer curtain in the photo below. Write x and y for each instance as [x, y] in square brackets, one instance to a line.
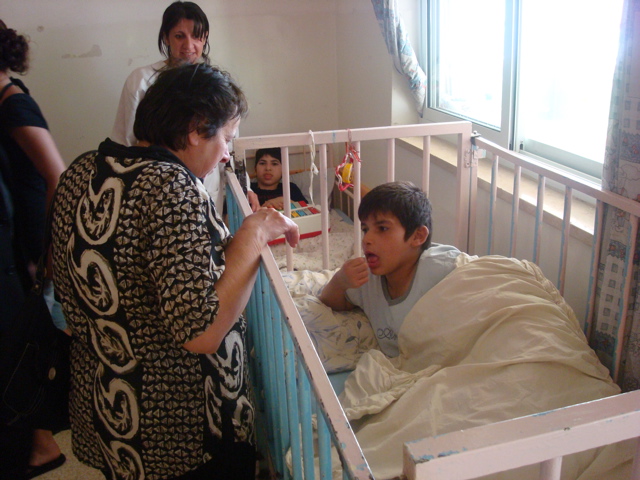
[399, 46]
[621, 174]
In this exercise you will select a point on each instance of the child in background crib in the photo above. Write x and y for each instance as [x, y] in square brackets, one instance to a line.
[268, 184]
[399, 265]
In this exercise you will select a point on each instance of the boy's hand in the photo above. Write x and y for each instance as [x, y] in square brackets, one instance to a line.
[354, 273]
[253, 200]
[277, 203]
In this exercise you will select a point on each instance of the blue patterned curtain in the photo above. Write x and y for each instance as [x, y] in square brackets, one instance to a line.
[621, 174]
[399, 46]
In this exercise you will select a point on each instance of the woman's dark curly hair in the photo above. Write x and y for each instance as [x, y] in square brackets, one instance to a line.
[188, 98]
[14, 50]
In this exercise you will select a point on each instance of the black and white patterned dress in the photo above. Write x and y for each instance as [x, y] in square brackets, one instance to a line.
[137, 249]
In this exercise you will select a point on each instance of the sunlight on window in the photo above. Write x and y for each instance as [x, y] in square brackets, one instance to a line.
[470, 52]
[567, 61]
[542, 83]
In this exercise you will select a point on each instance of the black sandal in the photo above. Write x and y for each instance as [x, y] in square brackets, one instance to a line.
[33, 472]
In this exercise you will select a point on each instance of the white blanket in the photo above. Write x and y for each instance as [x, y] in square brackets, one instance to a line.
[493, 341]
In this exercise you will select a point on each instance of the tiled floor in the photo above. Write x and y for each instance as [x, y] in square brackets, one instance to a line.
[72, 468]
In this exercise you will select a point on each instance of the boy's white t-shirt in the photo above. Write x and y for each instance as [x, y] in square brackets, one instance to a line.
[386, 315]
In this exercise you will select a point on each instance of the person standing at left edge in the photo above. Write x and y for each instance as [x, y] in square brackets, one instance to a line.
[30, 166]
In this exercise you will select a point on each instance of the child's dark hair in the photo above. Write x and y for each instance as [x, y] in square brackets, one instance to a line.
[402, 199]
[274, 152]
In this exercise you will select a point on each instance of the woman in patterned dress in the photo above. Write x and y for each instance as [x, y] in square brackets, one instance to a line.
[153, 287]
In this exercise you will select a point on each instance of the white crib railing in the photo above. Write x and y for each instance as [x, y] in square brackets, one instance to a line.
[290, 380]
[290, 383]
[320, 141]
[543, 438]
[569, 186]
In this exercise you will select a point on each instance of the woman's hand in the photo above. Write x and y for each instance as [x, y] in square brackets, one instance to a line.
[269, 224]
[242, 257]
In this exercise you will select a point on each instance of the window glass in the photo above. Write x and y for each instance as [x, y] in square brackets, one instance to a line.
[566, 63]
[534, 75]
[468, 71]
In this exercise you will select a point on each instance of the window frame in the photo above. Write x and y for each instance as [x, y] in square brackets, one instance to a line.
[508, 134]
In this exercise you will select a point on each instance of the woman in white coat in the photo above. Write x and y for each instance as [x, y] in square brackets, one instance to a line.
[183, 38]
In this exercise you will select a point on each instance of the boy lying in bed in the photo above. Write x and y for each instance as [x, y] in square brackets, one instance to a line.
[399, 266]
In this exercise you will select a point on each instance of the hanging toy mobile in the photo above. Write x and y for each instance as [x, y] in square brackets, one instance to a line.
[344, 171]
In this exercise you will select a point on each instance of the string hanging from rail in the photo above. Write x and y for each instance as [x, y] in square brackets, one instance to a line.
[344, 171]
[313, 169]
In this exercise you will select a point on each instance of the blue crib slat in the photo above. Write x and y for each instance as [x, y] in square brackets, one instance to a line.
[324, 445]
[304, 400]
[261, 384]
[255, 313]
[260, 328]
[263, 365]
[281, 389]
[283, 385]
[292, 404]
[271, 374]
[255, 361]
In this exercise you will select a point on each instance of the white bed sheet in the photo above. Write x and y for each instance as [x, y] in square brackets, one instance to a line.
[340, 338]
[308, 254]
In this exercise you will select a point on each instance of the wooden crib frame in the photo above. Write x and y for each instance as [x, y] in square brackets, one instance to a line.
[293, 388]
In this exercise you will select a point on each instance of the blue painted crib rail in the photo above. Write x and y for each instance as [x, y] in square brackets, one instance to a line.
[288, 378]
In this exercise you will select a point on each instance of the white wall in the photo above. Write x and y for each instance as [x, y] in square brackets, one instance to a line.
[282, 52]
[364, 66]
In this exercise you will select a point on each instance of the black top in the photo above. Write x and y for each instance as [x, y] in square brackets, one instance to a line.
[27, 187]
[264, 195]
[11, 281]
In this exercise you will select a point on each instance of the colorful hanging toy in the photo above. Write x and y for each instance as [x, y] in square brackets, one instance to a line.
[344, 171]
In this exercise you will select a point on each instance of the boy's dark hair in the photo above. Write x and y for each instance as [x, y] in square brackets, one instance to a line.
[14, 50]
[275, 152]
[184, 10]
[186, 98]
[402, 199]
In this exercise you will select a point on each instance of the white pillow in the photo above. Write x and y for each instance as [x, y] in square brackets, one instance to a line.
[340, 338]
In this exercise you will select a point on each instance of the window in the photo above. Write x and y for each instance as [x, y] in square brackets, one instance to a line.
[532, 75]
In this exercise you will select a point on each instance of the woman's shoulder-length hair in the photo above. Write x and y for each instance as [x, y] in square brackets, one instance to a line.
[187, 98]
